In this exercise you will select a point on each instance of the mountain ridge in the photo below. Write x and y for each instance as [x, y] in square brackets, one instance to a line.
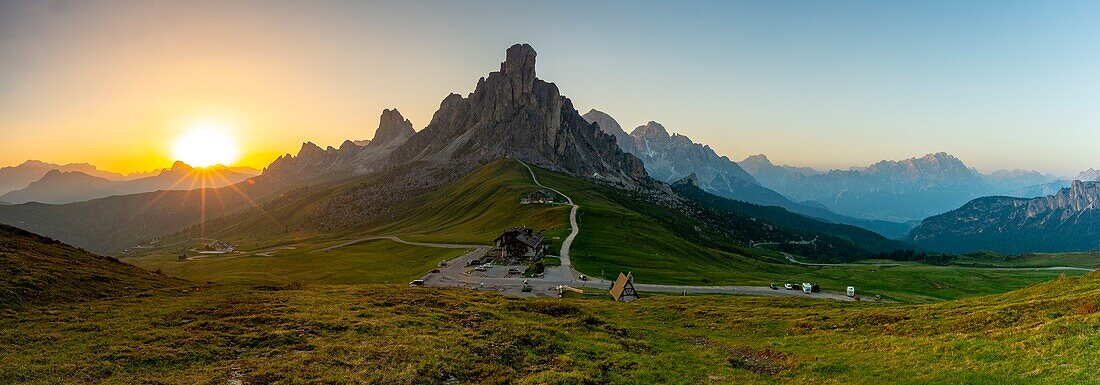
[670, 157]
[1066, 221]
[902, 190]
[57, 187]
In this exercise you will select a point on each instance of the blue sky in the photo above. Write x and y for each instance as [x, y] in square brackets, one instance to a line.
[821, 83]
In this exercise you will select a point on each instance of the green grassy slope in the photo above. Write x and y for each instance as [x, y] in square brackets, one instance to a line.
[396, 334]
[37, 270]
[377, 261]
[476, 208]
[855, 243]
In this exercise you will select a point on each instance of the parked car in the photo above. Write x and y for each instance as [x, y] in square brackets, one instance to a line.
[584, 277]
[443, 264]
[773, 286]
[488, 265]
[435, 271]
[417, 282]
[480, 268]
[475, 262]
[788, 286]
[513, 271]
[815, 288]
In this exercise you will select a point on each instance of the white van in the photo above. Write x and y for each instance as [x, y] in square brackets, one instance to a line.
[851, 291]
[807, 287]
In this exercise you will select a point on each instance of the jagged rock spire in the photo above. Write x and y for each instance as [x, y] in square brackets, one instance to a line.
[392, 127]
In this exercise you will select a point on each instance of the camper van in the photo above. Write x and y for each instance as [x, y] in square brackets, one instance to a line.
[807, 287]
[851, 291]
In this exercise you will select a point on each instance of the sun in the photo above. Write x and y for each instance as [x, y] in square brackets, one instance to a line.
[205, 145]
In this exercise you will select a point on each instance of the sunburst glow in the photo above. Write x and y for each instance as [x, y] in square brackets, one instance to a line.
[206, 145]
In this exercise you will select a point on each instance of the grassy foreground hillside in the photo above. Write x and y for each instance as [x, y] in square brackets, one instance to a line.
[35, 270]
[401, 335]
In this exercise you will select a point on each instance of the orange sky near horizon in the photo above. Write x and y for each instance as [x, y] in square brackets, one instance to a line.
[150, 73]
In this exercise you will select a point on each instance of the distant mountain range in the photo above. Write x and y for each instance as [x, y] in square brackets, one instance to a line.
[671, 157]
[16, 177]
[904, 190]
[75, 186]
[1066, 221]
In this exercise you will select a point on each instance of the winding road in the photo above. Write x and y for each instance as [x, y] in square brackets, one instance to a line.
[566, 262]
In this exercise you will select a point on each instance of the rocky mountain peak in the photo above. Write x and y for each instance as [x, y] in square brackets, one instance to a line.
[1090, 174]
[609, 125]
[512, 113]
[348, 146]
[179, 165]
[32, 162]
[606, 122]
[758, 158]
[650, 130]
[309, 149]
[392, 128]
[519, 63]
[939, 157]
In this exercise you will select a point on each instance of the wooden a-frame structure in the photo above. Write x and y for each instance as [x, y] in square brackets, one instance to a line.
[623, 289]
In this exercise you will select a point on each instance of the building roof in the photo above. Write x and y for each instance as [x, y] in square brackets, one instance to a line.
[523, 235]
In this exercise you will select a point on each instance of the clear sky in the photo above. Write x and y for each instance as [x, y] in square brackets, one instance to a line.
[1000, 84]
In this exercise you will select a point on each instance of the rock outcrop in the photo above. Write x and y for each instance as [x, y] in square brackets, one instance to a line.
[513, 113]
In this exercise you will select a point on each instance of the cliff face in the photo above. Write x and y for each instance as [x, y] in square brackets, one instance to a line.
[512, 113]
[1066, 221]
